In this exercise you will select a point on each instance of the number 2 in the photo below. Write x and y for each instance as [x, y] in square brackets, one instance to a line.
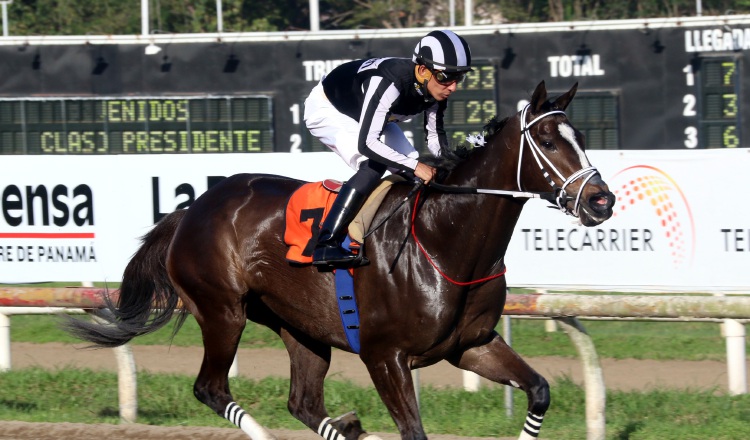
[296, 140]
[689, 101]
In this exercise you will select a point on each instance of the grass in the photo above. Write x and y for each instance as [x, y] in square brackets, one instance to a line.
[79, 396]
[613, 339]
[45, 328]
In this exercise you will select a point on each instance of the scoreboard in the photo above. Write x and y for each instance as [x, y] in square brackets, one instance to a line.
[139, 125]
[720, 105]
[677, 83]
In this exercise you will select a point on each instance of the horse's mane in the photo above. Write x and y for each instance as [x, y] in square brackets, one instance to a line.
[494, 126]
[451, 157]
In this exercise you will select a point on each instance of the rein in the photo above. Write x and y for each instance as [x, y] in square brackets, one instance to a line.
[424, 252]
[550, 196]
[558, 196]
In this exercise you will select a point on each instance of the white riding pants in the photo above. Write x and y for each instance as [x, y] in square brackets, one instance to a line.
[340, 133]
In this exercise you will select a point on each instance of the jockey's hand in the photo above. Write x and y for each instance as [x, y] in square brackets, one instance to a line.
[424, 172]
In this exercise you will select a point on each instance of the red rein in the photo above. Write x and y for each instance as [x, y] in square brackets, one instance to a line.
[458, 283]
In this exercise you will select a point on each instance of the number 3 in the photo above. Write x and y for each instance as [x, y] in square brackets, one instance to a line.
[691, 137]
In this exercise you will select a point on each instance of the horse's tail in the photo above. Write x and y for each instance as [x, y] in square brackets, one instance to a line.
[147, 298]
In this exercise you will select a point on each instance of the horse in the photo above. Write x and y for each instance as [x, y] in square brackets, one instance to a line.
[434, 289]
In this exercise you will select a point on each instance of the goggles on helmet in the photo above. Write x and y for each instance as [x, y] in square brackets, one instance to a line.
[446, 78]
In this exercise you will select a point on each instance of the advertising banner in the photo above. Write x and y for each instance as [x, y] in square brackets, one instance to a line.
[680, 222]
[74, 218]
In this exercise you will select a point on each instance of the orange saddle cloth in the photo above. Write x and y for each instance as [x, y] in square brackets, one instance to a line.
[310, 204]
[305, 211]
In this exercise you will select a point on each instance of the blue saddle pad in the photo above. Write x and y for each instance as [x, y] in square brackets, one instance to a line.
[347, 304]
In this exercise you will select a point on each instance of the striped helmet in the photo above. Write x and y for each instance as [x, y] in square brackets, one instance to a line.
[443, 50]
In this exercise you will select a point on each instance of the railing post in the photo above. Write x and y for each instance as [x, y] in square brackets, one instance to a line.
[127, 380]
[127, 384]
[734, 332]
[415, 381]
[471, 381]
[234, 369]
[592, 376]
[508, 391]
[4, 342]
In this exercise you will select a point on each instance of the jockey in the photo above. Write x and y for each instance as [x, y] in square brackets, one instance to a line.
[354, 110]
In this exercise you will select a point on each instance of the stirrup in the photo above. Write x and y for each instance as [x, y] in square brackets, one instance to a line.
[358, 260]
[331, 252]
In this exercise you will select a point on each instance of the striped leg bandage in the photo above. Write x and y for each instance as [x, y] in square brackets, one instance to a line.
[235, 414]
[328, 432]
[531, 427]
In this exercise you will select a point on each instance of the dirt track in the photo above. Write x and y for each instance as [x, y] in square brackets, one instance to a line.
[626, 375]
[77, 431]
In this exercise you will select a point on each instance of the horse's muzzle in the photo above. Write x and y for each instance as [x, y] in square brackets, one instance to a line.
[597, 208]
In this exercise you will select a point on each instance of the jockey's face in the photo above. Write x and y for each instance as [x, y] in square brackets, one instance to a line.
[438, 91]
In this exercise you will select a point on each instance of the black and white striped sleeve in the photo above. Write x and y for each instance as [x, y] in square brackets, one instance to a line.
[380, 94]
[436, 138]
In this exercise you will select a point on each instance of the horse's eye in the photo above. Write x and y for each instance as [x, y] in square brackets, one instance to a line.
[548, 145]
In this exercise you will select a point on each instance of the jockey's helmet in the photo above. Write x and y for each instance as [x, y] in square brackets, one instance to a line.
[443, 51]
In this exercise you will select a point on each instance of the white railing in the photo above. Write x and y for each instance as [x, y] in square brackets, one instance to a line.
[565, 309]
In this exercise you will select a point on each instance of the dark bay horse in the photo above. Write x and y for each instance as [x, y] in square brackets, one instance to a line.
[434, 290]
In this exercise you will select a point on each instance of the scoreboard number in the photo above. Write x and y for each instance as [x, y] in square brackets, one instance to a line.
[142, 125]
[719, 92]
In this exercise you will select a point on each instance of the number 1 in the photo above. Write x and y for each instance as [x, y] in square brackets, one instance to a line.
[295, 114]
[689, 76]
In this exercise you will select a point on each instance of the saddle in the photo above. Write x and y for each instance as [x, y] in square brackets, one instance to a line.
[309, 205]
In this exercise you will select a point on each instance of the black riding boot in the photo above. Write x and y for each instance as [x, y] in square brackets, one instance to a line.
[328, 251]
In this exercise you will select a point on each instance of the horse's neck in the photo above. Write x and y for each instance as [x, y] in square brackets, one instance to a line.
[492, 215]
[486, 221]
[486, 170]
[492, 166]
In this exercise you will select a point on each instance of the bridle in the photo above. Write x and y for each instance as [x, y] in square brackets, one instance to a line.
[558, 196]
[562, 197]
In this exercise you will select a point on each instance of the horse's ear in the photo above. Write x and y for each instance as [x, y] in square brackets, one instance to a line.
[539, 98]
[564, 100]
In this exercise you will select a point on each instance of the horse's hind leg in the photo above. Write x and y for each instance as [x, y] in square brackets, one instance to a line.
[498, 362]
[222, 323]
[309, 362]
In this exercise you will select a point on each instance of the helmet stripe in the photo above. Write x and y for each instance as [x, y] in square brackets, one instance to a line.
[438, 57]
[458, 48]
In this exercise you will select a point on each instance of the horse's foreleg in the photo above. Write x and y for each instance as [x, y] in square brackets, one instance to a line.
[309, 362]
[392, 378]
[498, 362]
[222, 329]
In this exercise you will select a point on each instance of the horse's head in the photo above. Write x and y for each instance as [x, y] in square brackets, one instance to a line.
[552, 156]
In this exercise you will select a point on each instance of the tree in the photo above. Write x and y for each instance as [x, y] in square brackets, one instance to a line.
[102, 17]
